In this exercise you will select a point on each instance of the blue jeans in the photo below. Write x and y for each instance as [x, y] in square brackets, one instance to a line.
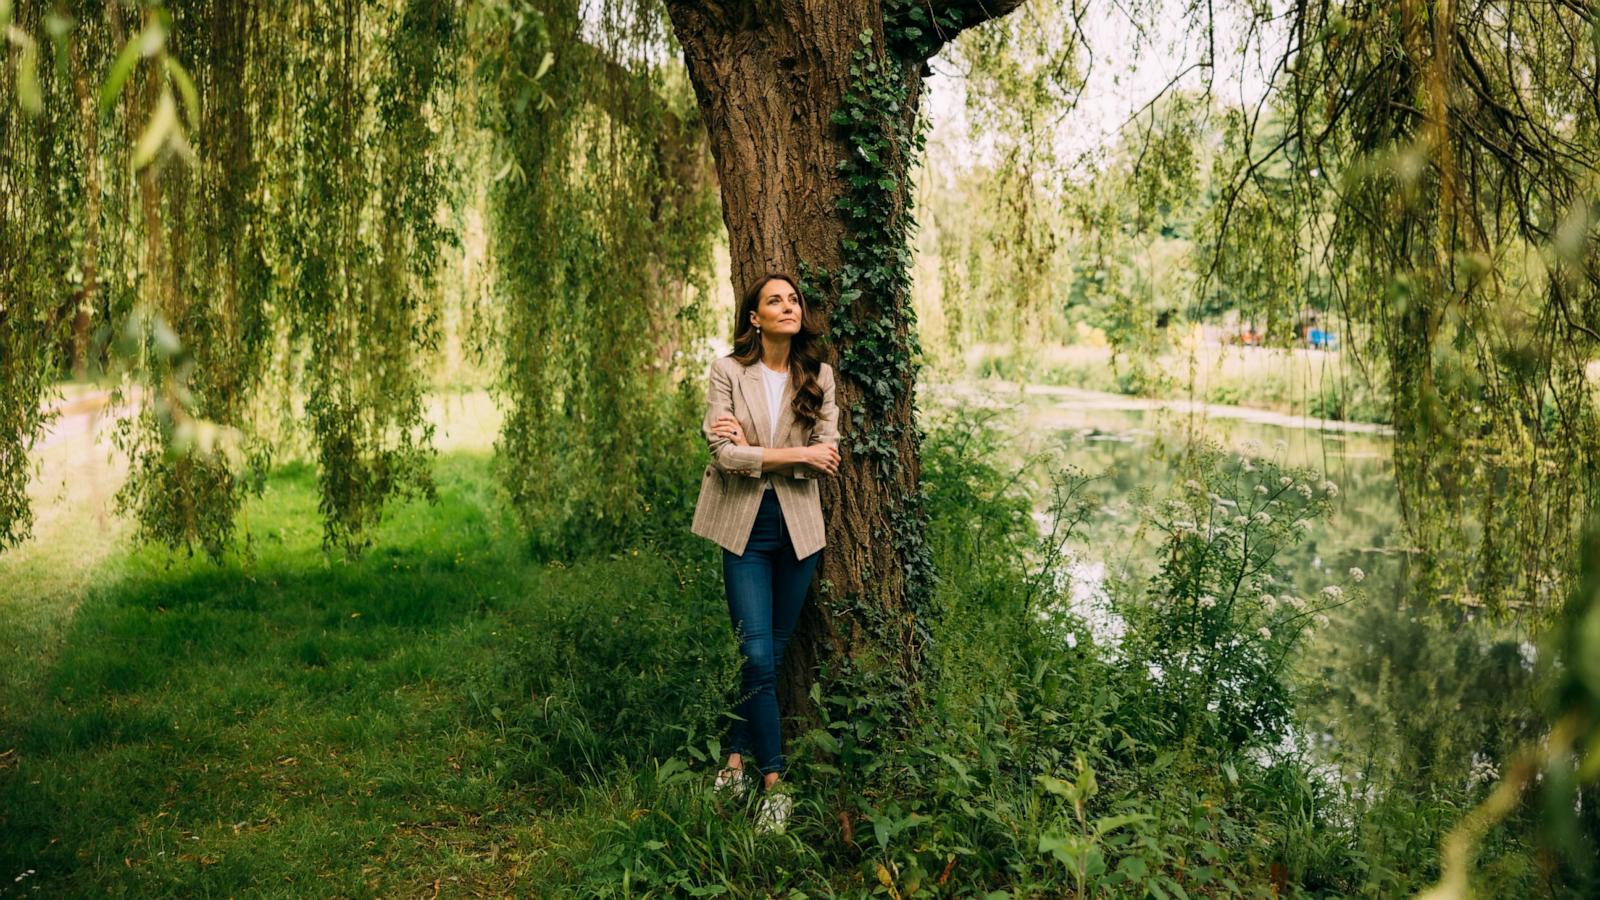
[766, 589]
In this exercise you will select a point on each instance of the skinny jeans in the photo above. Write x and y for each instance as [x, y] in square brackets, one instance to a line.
[766, 589]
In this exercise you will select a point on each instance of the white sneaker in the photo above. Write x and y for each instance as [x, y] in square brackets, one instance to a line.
[773, 814]
[731, 782]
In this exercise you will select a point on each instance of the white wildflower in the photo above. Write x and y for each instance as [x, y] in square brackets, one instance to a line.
[1303, 524]
[1333, 592]
[1280, 444]
[1356, 574]
[1304, 489]
[1261, 489]
[1269, 602]
[1331, 489]
[1261, 518]
[1246, 465]
[1207, 601]
[1184, 525]
[1483, 770]
[1241, 520]
[1285, 481]
[1193, 485]
[1265, 632]
[1321, 620]
[1291, 600]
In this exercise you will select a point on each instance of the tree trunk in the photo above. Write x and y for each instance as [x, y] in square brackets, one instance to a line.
[769, 78]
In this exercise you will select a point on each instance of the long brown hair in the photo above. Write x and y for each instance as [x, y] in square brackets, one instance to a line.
[805, 356]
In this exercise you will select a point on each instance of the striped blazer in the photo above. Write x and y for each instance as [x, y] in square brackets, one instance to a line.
[731, 488]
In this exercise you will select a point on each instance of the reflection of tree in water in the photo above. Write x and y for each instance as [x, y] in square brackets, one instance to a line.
[1393, 695]
[1419, 696]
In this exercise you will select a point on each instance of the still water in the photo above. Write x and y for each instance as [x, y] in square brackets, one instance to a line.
[1387, 691]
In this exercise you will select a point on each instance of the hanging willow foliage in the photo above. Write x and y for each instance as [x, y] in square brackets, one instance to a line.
[1430, 171]
[603, 223]
[1024, 74]
[274, 196]
[33, 242]
[1464, 145]
[363, 242]
[253, 238]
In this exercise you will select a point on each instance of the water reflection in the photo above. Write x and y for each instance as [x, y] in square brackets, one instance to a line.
[1387, 692]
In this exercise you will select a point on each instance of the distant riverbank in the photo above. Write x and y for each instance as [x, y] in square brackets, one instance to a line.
[1299, 383]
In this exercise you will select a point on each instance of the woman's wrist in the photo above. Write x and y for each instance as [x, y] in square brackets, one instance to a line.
[780, 457]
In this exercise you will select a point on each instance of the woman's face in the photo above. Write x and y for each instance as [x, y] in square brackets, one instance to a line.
[778, 310]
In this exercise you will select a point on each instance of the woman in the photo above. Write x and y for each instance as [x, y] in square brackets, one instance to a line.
[772, 427]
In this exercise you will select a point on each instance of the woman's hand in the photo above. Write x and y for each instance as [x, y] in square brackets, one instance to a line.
[823, 457]
[729, 427]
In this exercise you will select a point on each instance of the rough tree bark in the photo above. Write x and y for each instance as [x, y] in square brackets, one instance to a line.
[768, 76]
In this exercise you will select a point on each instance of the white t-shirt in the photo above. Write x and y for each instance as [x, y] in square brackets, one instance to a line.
[774, 382]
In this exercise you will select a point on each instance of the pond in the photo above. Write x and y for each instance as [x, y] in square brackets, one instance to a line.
[1389, 692]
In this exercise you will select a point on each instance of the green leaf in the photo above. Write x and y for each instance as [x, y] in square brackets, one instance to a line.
[5, 13]
[56, 24]
[118, 76]
[164, 339]
[544, 65]
[191, 99]
[29, 97]
[1112, 823]
[153, 37]
[162, 123]
[1056, 786]
[671, 771]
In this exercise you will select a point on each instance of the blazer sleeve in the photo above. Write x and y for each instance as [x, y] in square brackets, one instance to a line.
[731, 458]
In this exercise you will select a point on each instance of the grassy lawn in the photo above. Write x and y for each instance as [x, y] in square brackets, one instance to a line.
[444, 711]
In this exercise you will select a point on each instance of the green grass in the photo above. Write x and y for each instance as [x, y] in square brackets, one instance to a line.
[301, 724]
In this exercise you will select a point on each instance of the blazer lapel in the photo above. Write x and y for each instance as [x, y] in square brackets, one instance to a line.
[755, 398]
[785, 414]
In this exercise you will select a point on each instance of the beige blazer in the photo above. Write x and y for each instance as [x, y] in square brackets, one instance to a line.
[730, 490]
